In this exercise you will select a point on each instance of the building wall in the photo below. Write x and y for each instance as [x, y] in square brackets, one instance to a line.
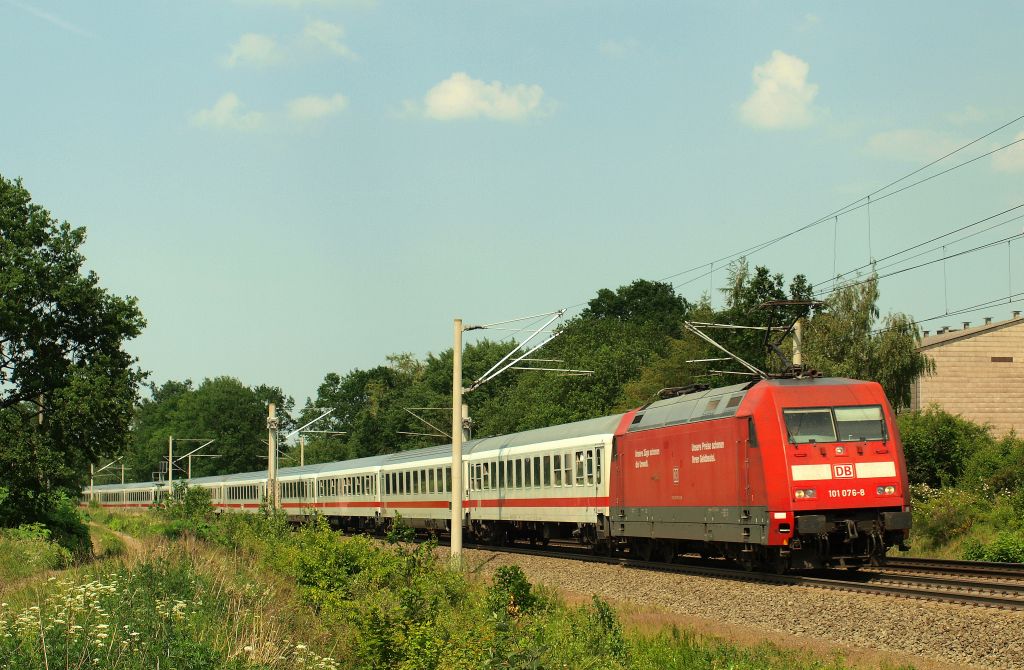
[967, 381]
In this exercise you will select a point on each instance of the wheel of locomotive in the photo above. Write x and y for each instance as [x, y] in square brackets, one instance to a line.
[643, 548]
[779, 564]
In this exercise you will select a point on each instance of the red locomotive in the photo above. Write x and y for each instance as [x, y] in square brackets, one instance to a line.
[775, 473]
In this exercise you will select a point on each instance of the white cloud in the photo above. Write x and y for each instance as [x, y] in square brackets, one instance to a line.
[254, 49]
[914, 146]
[617, 48]
[782, 96]
[227, 112]
[969, 114]
[1012, 159]
[50, 18]
[314, 107]
[328, 36]
[462, 97]
[809, 22]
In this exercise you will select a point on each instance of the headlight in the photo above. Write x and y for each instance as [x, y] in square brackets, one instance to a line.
[885, 490]
[799, 493]
[840, 451]
[804, 493]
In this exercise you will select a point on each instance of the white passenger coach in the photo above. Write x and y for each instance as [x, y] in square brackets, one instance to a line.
[538, 484]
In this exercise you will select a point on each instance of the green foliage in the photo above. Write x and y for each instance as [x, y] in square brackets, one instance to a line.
[938, 446]
[643, 301]
[399, 531]
[511, 593]
[189, 503]
[29, 549]
[1007, 547]
[379, 606]
[62, 355]
[845, 340]
[998, 464]
[943, 515]
[222, 408]
[163, 613]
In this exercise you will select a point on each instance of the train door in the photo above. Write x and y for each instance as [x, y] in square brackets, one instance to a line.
[743, 448]
[616, 499]
[750, 480]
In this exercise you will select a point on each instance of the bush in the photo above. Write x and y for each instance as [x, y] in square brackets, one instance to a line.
[946, 514]
[29, 549]
[938, 445]
[998, 465]
[1007, 547]
[189, 503]
[511, 594]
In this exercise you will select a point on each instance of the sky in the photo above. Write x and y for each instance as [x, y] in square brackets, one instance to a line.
[295, 187]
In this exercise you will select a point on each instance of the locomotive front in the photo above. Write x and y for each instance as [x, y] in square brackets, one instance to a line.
[838, 472]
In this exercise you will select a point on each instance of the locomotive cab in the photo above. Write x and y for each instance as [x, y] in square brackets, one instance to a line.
[840, 455]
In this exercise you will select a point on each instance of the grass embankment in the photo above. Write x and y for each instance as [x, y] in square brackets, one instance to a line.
[247, 592]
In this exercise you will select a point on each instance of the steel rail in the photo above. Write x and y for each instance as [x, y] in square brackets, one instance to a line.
[951, 567]
[916, 589]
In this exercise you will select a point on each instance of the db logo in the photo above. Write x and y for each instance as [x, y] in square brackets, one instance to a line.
[844, 471]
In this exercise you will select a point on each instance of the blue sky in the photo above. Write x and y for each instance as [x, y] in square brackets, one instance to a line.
[292, 187]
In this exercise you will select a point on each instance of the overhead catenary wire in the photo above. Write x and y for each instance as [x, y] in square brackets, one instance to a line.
[865, 200]
[965, 252]
[940, 237]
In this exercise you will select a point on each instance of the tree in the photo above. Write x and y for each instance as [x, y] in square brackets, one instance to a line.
[938, 445]
[61, 356]
[842, 341]
[221, 408]
[642, 301]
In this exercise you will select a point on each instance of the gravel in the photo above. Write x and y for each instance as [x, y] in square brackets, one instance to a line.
[932, 632]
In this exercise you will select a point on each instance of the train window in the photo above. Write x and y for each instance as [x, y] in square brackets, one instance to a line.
[440, 480]
[558, 469]
[408, 483]
[590, 466]
[597, 456]
[567, 469]
[423, 481]
[527, 475]
[501, 475]
[547, 471]
[809, 425]
[751, 433]
[415, 482]
[448, 480]
[579, 468]
[536, 471]
[494, 475]
[860, 423]
[519, 472]
[509, 474]
[430, 481]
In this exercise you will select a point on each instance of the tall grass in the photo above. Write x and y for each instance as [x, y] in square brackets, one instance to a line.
[246, 591]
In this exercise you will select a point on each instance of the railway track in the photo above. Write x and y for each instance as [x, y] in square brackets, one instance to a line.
[954, 582]
[1005, 571]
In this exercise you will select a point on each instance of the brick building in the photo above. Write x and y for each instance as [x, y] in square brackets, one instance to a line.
[979, 373]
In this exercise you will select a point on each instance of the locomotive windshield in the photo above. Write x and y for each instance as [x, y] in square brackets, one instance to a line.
[835, 424]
